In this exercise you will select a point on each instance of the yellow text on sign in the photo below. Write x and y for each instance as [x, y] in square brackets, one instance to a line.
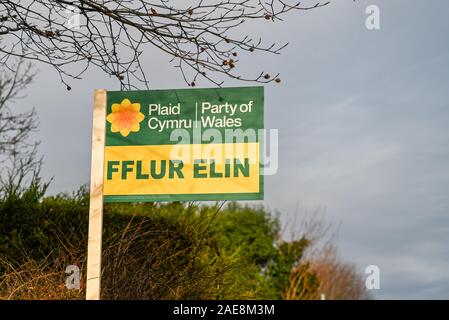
[156, 169]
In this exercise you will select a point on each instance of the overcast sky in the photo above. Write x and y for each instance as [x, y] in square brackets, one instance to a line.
[363, 119]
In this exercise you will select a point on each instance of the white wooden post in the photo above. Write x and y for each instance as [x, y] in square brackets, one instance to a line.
[96, 197]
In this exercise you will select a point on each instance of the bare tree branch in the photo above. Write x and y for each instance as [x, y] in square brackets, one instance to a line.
[15, 127]
[113, 35]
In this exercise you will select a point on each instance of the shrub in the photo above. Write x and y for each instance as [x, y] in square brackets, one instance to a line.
[150, 250]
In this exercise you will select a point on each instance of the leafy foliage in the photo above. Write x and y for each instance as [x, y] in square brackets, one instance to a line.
[150, 251]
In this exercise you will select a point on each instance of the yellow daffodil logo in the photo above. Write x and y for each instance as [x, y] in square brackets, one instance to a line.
[125, 117]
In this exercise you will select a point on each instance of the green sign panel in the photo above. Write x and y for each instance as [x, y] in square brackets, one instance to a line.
[186, 144]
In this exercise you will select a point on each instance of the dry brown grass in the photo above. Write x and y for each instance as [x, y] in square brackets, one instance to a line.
[37, 281]
[145, 260]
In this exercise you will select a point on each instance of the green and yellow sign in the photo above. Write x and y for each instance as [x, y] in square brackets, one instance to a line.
[187, 144]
